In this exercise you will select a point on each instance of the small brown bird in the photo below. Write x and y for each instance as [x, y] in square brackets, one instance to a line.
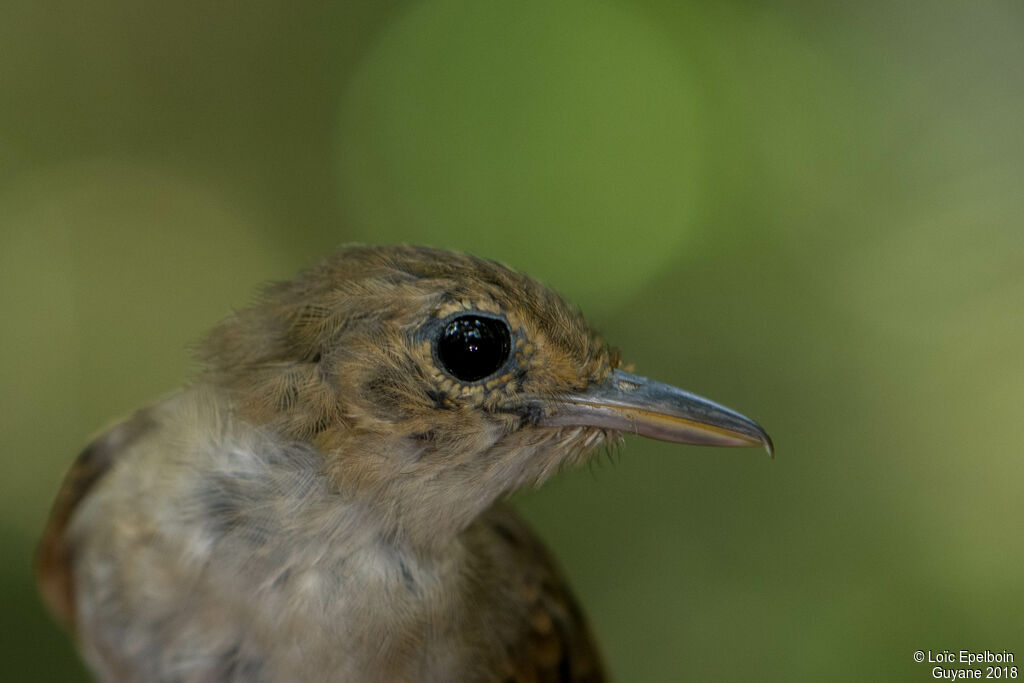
[322, 502]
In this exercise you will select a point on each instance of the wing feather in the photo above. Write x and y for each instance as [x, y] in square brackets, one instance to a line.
[53, 560]
[555, 644]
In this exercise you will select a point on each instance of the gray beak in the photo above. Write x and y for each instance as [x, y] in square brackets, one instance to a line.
[636, 405]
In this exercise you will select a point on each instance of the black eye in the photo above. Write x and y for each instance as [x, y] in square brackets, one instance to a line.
[472, 347]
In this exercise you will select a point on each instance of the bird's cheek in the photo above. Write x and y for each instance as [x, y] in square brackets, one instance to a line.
[460, 435]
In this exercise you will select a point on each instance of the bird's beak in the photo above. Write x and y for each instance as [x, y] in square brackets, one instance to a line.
[636, 405]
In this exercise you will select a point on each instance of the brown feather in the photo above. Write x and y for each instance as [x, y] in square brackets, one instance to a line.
[321, 501]
[555, 644]
[53, 559]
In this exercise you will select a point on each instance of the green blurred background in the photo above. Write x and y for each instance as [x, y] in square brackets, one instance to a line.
[811, 212]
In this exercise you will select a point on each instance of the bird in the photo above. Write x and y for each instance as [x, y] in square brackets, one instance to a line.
[325, 499]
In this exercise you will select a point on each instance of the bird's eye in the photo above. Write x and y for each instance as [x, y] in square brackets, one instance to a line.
[472, 347]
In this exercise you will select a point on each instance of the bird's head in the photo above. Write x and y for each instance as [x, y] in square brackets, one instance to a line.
[434, 382]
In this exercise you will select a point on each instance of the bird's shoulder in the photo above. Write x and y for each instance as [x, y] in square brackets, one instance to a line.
[54, 555]
[552, 641]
